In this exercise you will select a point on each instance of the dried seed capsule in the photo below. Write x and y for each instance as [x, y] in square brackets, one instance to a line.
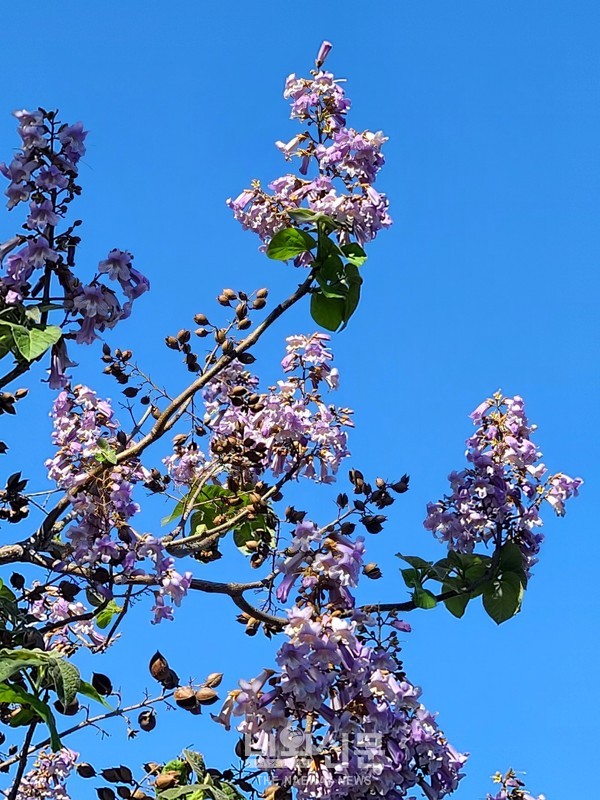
[185, 697]
[201, 319]
[372, 571]
[147, 720]
[206, 696]
[214, 679]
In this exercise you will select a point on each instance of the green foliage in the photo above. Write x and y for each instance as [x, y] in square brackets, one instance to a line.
[26, 342]
[289, 243]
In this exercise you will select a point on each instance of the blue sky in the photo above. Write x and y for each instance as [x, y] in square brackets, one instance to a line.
[487, 279]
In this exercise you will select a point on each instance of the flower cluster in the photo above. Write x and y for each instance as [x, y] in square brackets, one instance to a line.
[512, 788]
[346, 166]
[46, 780]
[87, 435]
[44, 176]
[50, 607]
[340, 719]
[498, 497]
[325, 564]
[289, 427]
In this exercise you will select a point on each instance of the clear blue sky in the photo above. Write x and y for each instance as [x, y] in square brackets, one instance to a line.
[488, 279]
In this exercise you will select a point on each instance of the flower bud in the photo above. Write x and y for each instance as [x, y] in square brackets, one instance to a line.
[324, 51]
[85, 770]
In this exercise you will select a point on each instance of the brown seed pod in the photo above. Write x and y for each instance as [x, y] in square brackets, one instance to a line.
[185, 697]
[206, 696]
[159, 666]
[214, 679]
[372, 571]
[166, 780]
[147, 720]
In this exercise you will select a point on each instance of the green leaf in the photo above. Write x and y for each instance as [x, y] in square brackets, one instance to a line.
[502, 597]
[193, 791]
[456, 605]
[354, 253]
[6, 341]
[511, 558]
[107, 454]
[353, 295]
[327, 312]
[415, 561]
[176, 513]
[87, 690]
[411, 577]
[196, 762]
[33, 342]
[15, 694]
[289, 243]
[66, 680]
[12, 661]
[423, 598]
[104, 617]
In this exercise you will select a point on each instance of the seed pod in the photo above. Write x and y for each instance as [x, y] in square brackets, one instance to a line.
[101, 683]
[230, 294]
[85, 770]
[172, 342]
[371, 570]
[401, 486]
[166, 780]
[68, 711]
[17, 581]
[259, 303]
[206, 696]
[201, 319]
[185, 697]
[240, 748]
[220, 335]
[214, 679]
[147, 720]
[201, 332]
[223, 300]
[244, 324]
[21, 393]
[159, 667]
[183, 336]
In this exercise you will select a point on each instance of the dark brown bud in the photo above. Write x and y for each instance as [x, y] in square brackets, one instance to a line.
[401, 486]
[68, 711]
[244, 324]
[101, 683]
[21, 393]
[85, 770]
[183, 336]
[17, 581]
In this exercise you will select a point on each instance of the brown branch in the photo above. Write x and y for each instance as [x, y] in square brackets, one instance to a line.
[22, 759]
[115, 712]
[178, 405]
